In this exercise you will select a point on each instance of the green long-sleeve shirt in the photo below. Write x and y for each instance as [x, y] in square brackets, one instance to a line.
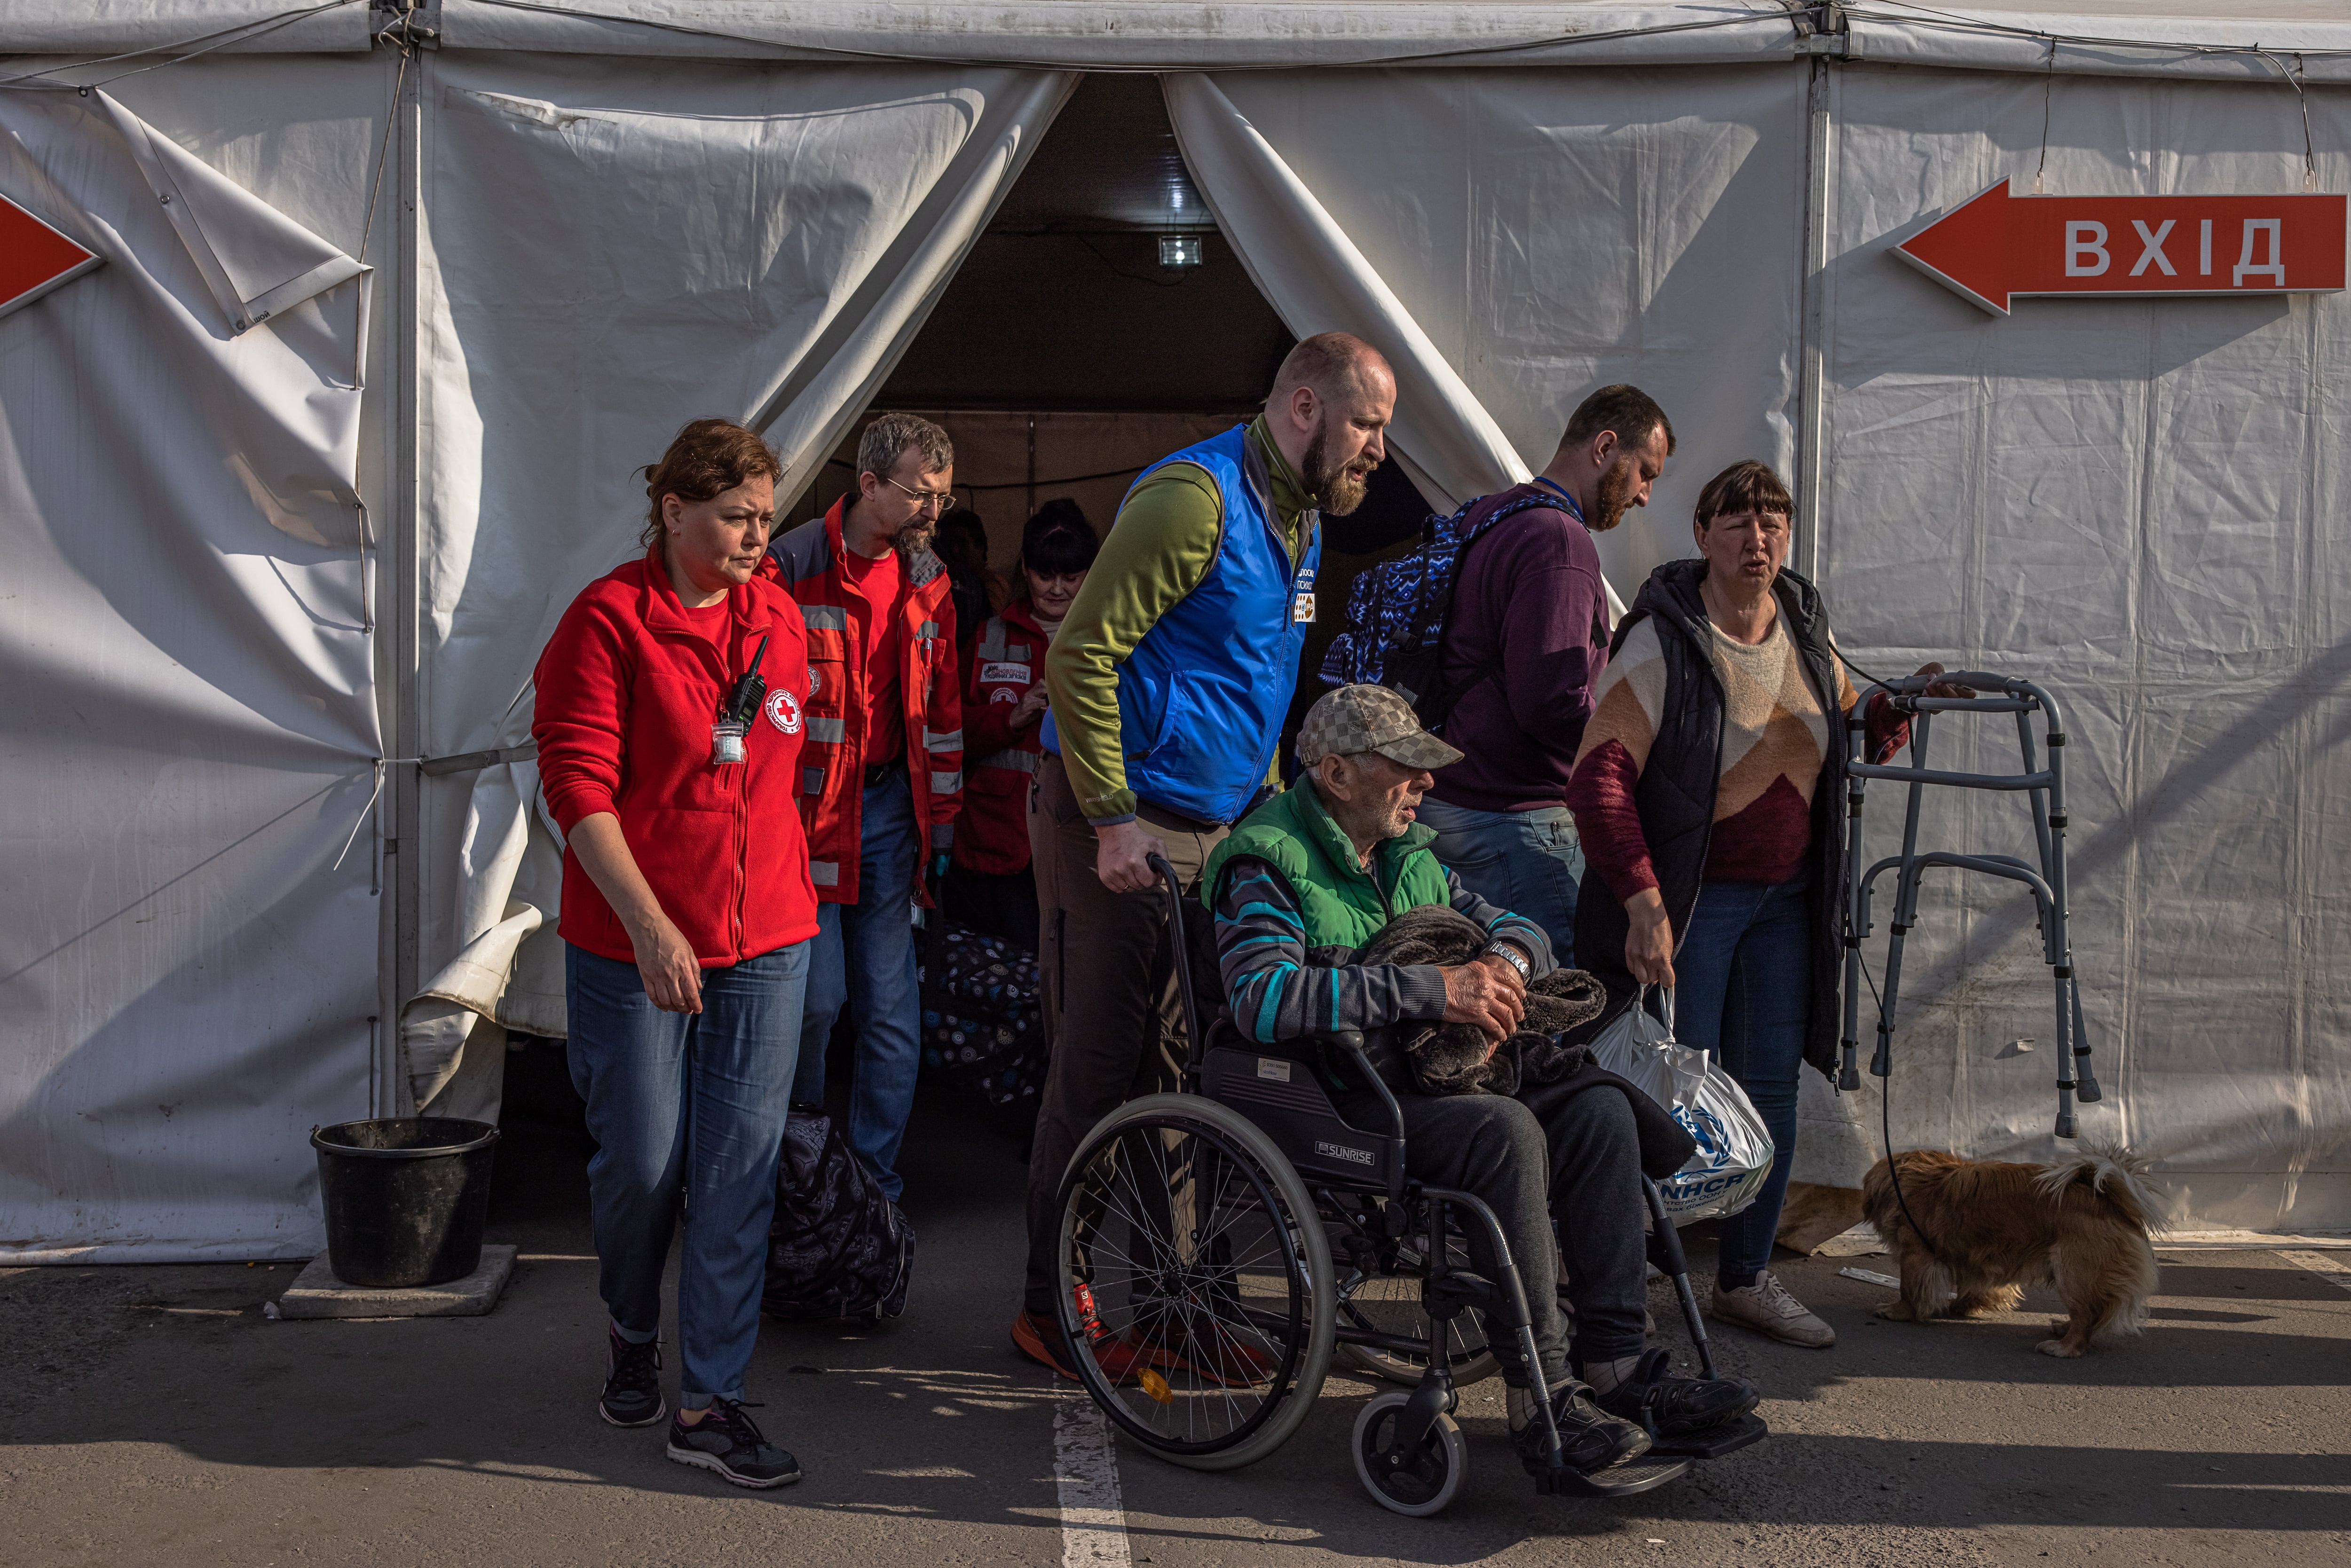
[1160, 548]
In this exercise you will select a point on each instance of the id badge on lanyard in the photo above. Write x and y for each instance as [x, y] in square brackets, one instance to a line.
[1301, 603]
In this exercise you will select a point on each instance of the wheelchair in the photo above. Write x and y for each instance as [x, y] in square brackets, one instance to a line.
[1209, 1224]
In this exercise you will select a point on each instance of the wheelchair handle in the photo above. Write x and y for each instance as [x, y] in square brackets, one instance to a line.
[1179, 943]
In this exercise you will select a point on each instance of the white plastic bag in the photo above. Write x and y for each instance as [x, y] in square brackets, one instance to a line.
[1734, 1152]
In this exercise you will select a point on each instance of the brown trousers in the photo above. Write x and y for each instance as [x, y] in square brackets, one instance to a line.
[1112, 1020]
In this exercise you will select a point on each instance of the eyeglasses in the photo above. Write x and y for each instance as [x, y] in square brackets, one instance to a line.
[936, 500]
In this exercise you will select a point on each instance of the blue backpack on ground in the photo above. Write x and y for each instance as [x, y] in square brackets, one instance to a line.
[1392, 633]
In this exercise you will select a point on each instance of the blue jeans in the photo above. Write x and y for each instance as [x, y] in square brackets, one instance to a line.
[686, 1105]
[1743, 991]
[864, 957]
[1528, 863]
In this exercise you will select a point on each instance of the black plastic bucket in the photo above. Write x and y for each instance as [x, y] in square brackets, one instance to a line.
[405, 1198]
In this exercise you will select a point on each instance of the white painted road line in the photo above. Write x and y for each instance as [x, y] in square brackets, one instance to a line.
[1086, 1468]
[2330, 1267]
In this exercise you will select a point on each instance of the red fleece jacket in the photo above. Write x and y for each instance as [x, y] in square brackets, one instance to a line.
[628, 689]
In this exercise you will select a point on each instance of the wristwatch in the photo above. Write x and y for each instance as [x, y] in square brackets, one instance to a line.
[1510, 955]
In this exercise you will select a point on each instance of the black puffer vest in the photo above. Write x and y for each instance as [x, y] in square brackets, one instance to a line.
[1677, 789]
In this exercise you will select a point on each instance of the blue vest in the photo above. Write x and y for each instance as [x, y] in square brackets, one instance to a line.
[1202, 699]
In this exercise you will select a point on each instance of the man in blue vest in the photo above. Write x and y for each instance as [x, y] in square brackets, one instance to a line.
[1167, 687]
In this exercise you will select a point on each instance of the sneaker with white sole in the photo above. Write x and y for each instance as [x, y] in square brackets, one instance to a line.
[1766, 1307]
[730, 1442]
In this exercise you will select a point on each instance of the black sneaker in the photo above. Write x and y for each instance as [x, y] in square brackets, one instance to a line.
[727, 1441]
[1589, 1439]
[1672, 1406]
[632, 1395]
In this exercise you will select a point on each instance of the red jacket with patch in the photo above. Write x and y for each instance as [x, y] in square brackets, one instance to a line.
[832, 761]
[628, 689]
[1008, 659]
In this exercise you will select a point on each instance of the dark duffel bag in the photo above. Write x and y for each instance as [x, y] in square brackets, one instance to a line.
[839, 1248]
[980, 1025]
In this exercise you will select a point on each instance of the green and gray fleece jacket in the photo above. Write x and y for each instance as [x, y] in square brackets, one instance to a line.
[1293, 905]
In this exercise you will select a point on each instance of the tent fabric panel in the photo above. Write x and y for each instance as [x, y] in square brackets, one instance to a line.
[189, 977]
[2183, 41]
[113, 27]
[1149, 34]
[1553, 231]
[2138, 502]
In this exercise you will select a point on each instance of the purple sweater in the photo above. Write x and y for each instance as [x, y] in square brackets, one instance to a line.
[1530, 596]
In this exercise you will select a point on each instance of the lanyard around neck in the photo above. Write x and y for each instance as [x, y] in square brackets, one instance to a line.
[1574, 510]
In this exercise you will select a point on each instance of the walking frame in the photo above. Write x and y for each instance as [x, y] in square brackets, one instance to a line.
[2044, 788]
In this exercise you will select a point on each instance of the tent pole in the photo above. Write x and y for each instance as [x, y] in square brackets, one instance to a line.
[1810, 467]
[406, 881]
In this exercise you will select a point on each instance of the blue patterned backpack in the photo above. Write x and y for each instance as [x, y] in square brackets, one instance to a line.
[1392, 633]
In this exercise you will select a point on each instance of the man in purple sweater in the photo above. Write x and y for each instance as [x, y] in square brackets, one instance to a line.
[1525, 645]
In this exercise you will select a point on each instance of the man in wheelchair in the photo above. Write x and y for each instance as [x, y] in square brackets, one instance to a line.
[1313, 875]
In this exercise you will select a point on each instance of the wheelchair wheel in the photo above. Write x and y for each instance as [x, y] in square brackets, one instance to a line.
[1390, 1304]
[1427, 1479]
[1196, 1285]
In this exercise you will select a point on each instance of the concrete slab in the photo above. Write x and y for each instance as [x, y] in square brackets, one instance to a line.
[316, 1293]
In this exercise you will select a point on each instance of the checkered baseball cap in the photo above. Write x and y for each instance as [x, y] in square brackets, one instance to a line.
[1369, 718]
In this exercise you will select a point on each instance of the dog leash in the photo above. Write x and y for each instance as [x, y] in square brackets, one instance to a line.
[1886, 1125]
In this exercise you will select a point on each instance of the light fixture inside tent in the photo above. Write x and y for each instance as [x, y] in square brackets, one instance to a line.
[1178, 249]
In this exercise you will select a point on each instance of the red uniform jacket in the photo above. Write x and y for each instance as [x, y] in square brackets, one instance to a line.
[832, 764]
[628, 689]
[1008, 659]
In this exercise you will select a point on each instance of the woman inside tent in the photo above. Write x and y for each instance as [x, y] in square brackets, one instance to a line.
[1706, 793]
[669, 733]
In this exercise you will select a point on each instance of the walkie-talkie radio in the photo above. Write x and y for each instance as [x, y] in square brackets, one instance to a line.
[735, 714]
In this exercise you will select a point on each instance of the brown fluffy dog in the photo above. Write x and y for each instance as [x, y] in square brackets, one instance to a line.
[1994, 1226]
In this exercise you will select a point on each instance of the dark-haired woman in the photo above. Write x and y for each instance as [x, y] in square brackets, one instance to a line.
[669, 764]
[989, 888]
[1705, 793]
[975, 589]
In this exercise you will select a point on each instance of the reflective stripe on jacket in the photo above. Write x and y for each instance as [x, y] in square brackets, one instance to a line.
[832, 761]
[992, 835]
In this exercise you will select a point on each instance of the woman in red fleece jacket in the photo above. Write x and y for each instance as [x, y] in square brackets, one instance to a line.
[672, 770]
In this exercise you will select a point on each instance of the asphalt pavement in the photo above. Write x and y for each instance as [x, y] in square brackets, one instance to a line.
[155, 1415]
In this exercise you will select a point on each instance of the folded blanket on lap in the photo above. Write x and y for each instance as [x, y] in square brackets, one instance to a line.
[1452, 1058]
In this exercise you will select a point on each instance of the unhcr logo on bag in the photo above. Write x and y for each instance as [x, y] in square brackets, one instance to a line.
[1717, 1181]
[1688, 1187]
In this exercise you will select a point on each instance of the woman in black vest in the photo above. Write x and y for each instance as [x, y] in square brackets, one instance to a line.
[1705, 794]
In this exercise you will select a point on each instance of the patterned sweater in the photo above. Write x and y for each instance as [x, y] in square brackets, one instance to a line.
[1775, 739]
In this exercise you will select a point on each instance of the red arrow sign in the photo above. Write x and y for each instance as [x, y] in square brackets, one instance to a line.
[35, 257]
[1995, 247]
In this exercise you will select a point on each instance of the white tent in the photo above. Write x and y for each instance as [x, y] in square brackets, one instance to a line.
[290, 532]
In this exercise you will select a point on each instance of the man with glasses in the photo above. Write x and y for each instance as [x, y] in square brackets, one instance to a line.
[882, 763]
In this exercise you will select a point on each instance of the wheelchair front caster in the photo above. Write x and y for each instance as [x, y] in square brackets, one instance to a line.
[1418, 1482]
